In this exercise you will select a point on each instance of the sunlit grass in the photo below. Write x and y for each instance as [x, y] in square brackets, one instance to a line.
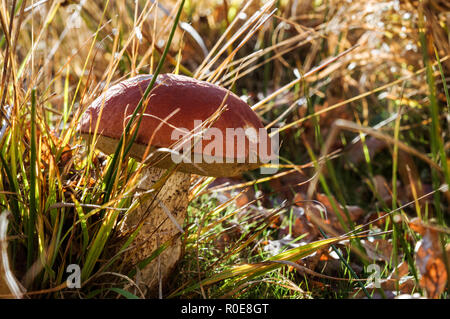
[66, 199]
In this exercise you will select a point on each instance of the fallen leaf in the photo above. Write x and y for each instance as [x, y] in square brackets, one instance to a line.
[382, 188]
[299, 199]
[354, 212]
[241, 196]
[377, 219]
[402, 270]
[231, 233]
[303, 226]
[356, 153]
[285, 185]
[429, 259]
[378, 249]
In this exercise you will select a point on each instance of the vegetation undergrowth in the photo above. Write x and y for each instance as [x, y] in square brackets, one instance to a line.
[356, 91]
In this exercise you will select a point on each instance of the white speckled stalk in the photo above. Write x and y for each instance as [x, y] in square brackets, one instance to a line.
[158, 227]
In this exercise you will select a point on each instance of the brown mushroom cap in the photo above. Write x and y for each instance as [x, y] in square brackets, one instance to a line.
[174, 103]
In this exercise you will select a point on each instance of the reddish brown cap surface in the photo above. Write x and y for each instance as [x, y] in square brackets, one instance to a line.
[174, 103]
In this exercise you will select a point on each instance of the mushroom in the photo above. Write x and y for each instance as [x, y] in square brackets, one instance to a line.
[175, 107]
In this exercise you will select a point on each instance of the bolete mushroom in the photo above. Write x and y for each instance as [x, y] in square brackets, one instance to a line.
[237, 142]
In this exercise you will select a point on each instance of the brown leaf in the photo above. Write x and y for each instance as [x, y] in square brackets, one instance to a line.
[382, 188]
[356, 153]
[379, 249]
[434, 279]
[406, 284]
[354, 212]
[429, 259]
[302, 226]
[402, 270]
[398, 278]
[298, 199]
[284, 185]
[242, 196]
[377, 219]
[228, 236]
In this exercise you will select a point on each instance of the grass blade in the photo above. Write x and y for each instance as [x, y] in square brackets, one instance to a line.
[33, 183]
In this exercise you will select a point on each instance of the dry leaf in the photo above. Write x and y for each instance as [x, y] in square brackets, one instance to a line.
[303, 226]
[284, 185]
[378, 249]
[429, 259]
[242, 196]
[299, 199]
[356, 153]
[399, 277]
[231, 233]
[378, 219]
[402, 270]
[382, 188]
[354, 212]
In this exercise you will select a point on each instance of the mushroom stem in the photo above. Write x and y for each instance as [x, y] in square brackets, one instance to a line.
[158, 227]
